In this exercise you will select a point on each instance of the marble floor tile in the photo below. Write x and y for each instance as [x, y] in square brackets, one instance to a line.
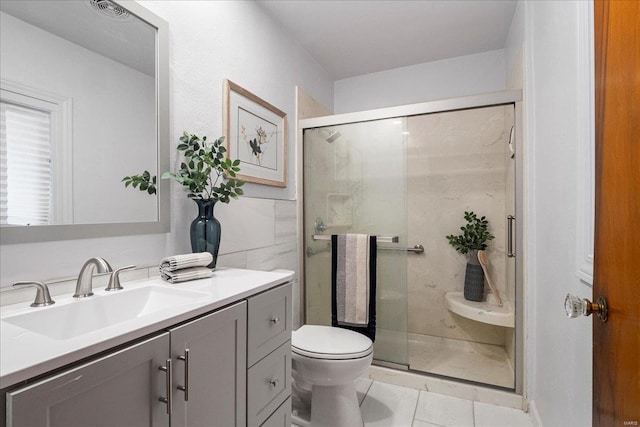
[498, 416]
[444, 410]
[418, 423]
[362, 387]
[389, 405]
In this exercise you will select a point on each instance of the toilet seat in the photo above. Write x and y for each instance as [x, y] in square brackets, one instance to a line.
[326, 342]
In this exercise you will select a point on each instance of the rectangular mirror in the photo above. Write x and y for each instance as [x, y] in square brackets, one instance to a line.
[83, 103]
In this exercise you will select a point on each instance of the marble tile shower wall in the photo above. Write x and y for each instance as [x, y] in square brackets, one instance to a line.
[456, 163]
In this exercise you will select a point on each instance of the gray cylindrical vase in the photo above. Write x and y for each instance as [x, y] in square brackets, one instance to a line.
[473, 278]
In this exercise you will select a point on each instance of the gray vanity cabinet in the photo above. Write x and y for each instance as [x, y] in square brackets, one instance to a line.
[210, 369]
[120, 389]
[231, 367]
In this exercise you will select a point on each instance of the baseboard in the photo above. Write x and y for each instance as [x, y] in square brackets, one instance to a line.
[533, 413]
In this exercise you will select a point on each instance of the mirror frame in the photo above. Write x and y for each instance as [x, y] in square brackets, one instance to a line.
[45, 233]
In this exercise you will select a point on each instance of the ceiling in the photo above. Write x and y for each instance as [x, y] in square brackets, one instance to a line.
[355, 37]
[128, 40]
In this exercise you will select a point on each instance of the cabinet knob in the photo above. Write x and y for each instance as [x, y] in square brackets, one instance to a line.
[274, 382]
[275, 320]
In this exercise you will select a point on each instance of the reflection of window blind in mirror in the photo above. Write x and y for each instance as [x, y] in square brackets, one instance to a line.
[25, 179]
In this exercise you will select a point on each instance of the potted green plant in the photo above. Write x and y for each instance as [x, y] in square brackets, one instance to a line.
[474, 238]
[208, 176]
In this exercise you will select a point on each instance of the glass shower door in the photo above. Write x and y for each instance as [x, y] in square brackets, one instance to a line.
[355, 182]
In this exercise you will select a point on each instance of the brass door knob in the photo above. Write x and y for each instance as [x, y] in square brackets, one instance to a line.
[574, 307]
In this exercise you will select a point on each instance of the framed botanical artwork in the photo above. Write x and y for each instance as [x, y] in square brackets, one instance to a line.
[256, 134]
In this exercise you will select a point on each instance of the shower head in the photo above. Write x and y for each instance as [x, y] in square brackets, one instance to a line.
[333, 136]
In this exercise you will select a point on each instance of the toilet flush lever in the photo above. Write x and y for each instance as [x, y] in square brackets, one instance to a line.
[574, 307]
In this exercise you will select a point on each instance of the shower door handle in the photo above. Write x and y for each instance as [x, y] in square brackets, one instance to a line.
[510, 220]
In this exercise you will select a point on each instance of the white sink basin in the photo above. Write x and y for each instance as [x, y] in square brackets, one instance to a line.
[89, 314]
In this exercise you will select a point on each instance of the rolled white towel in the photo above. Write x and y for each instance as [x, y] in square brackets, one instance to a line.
[177, 262]
[185, 274]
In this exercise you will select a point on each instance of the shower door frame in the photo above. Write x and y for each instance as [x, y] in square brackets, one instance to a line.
[513, 97]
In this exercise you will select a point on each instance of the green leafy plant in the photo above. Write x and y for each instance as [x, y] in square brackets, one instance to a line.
[205, 173]
[475, 234]
[145, 181]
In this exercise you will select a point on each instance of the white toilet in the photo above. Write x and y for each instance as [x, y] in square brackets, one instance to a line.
[326, 361]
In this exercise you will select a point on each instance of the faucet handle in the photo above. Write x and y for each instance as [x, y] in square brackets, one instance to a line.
[43, 297]
[114, 280]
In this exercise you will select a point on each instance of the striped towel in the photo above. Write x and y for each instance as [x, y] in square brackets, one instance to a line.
[177, 262]
[186, 274]
[353, 282]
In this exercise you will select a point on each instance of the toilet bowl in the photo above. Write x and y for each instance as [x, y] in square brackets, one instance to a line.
[326, 361]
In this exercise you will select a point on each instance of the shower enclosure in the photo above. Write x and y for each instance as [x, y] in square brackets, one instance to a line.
[407, 175]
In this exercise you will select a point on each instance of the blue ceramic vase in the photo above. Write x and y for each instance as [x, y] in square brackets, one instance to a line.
[205, 230]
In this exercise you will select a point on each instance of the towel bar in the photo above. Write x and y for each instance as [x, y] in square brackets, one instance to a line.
[380, 239]
[417, 249]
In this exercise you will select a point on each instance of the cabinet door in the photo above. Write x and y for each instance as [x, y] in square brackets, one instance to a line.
[120, 389]
[217, 369]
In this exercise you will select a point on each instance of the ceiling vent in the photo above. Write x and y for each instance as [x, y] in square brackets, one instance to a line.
[110, 9]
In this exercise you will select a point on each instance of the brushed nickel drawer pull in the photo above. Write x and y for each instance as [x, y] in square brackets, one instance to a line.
[169, 388]
[275, 320]
[274, 382]
[185, 387]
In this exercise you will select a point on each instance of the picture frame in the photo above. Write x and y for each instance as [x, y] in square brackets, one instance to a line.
[255, 133]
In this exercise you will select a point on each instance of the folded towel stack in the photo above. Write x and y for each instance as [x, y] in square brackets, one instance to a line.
[182, 268]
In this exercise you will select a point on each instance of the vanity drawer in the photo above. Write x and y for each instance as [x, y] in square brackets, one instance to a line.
[281, 417]
[268, 384]
[269, 322]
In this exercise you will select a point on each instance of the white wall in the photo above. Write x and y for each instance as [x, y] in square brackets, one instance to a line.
[449, 78]
[559, 349]
[209, 41]
[514, 49]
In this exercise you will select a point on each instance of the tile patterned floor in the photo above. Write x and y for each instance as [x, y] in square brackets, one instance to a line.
[386, 405]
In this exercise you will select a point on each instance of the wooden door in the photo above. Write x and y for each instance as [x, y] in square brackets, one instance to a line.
[120, 389]
[616, 343]
[216, 374]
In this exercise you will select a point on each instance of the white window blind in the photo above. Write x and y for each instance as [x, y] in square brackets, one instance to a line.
[25, 160]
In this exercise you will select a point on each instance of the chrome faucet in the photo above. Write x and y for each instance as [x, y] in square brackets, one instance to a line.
[84, 287]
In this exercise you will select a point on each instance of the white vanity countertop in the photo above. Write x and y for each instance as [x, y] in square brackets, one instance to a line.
[25, 354]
